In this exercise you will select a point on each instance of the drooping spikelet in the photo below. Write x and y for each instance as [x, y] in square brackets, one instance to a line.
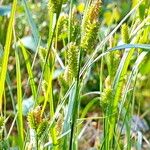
[42, 128]
[35, 118]
[42, 53]
[75, 30]
[113, 59]
[38, 125]
[90, 26]
[106, 98]
[125, 33]
[75, 26]
[90, 37]
[94, 11]
[144, 38]
[108, 82]
[62, 27]
[64, 85]
[73, 58]
[92, 14]
[59, 124]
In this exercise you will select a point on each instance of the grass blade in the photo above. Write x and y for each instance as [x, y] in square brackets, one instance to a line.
[19, 101]
[31, 23]
[7, 51]
[29, 70]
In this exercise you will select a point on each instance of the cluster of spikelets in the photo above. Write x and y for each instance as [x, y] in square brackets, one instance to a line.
[113, 58]
[90, 26]
[73, 59]
[125, 33]
[89, 30]
[72, 68]
[143, 35]
[42, 53]
[36, 121]
[62, 27]
[63, 82]
[107, 95]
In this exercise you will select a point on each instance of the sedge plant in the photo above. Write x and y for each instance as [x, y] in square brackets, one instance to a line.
[88, 60]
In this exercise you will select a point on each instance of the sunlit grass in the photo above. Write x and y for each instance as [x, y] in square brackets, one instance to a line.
[87, 64]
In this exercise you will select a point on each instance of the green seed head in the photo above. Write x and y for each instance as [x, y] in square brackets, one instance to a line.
[125, 33]
[42, 128]
[62, 27]
[106, 98]
[64, 85]
[34, 118]
[73, 57]
[90, 26]
[90, 36]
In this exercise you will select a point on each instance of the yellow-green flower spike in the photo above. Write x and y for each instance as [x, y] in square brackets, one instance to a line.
[73, 57]
[90, 26]
[90, 37]
[42, 128]
[125, 33]
[34, 118]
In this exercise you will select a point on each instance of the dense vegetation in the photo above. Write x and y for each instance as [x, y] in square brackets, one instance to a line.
[75, 74]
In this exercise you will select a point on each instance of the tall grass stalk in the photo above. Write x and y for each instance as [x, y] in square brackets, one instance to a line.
[7, 51]
[29, 70]
[19, 102]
